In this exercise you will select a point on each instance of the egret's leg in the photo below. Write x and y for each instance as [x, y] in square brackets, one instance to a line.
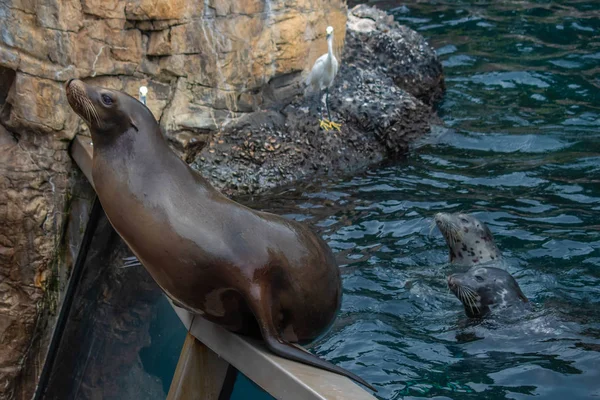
[327, 103]
[319, 98]
[323, 123]
[332, 125]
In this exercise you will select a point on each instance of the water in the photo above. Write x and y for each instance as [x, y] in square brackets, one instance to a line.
[521, 151]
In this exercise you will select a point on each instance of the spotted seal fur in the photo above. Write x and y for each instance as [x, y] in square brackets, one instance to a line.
[483, 289]
[470, 241]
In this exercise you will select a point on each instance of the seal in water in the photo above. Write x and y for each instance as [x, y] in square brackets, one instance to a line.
[469, 240]
[251, 272]
[482, 289]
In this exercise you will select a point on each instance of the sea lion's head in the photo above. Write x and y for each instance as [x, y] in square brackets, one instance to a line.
[107, 112]
[469, 240]
[482, 288]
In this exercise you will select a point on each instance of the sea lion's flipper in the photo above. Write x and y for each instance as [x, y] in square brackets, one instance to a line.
[286, 350]
[280, 347]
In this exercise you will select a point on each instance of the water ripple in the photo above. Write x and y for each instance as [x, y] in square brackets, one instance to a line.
[522, 155]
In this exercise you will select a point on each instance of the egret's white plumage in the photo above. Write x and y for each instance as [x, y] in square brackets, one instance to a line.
[324, 69]
[142, 94]
[321, 77]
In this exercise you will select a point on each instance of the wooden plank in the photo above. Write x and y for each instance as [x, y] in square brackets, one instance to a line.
[200, 373]
[281, 378]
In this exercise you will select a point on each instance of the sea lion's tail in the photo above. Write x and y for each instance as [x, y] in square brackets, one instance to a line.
[287, 350]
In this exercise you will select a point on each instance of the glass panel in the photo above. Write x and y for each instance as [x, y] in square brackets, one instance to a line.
[112, 347]
[122, 339]
[245, 389]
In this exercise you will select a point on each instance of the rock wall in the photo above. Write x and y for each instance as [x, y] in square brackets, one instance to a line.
[205, 63]
[383, 95]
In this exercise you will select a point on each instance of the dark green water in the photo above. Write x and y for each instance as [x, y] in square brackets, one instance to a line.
[521, 151]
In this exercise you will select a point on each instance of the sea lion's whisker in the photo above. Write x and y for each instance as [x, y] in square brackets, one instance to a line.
[92, 108]
[80, 105]
[455, 232]
[470, 292]
[86, 111]
[85, 106]
[95, 110]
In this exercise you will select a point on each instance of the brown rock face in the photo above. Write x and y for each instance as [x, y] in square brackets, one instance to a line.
[206, 63]
[223, 79]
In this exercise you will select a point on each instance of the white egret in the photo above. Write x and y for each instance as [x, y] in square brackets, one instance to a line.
[142, 94]
[321, 78]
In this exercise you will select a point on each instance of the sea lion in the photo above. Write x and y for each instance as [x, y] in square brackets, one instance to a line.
[470, 241]
[252, 272]
[482, 289]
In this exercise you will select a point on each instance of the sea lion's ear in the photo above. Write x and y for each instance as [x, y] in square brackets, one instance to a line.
[133, 124]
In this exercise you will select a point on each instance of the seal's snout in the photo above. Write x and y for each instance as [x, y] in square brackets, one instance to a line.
[442, 220]
[440, 217]
[452, 282]
[438, 220]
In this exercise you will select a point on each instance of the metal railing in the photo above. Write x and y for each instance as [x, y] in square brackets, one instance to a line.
[210, 351]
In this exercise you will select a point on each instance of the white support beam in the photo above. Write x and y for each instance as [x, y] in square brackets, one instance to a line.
[281, 378]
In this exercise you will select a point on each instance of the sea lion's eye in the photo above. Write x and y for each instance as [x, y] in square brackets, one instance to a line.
[479, 278]
[464, 221]
[106, 100]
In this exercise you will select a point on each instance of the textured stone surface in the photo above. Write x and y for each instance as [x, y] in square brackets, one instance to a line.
[33, 183]
[408, 59]
[383, 95]
[225, 73]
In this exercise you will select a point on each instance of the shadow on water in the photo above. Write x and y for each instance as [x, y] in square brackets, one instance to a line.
[520, 150]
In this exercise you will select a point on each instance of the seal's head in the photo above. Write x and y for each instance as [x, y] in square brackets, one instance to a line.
[481, 289]
[469, 240]
[107, 112]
